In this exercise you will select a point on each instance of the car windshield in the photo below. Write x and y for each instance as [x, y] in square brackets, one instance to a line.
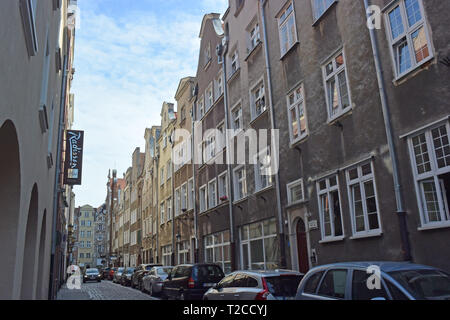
[91, 271]
[130, 271]
[283, 286]
[424, 284]
[164, 271]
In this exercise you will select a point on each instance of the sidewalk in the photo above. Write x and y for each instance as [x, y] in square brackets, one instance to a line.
[66, 294]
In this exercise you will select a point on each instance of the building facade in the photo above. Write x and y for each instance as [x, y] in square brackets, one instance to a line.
[86, 237]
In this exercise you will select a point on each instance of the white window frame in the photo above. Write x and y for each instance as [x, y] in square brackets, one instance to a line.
[210, 147]
[177, 203]
[166, 255]
[183, 252]
[161, 177]
[209, 97]
[254, 35]
[237, 106]
[237, 181]
[162, 212]
[184, 197]
[222, 245]
[212, 193]
[284, 21]
[191, 194]
[169, 209]
[28, 10]
[169, 170]
[292, 185]
[234, 57]
[258, 167]
[406, 35]
[327, 191]
[296, 105]
[203, 205]
[253, 98]
[317, 15]
[430, 175]
[335, 75]
[222, 189]
[361, 180]
[201, 107]
[218, 86]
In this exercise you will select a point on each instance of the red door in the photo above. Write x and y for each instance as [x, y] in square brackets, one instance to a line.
[302, 247]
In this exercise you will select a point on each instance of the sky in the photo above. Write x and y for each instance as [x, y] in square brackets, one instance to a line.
[129, 59]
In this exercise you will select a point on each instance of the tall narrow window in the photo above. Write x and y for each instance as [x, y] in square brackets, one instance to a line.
[236, 114]
[287, 29]
[191, 194]
[254, 36]
[408, 35]
[337, 91]
[330, 208]
[297, 115]
[203, 198]
[240, 183]
[212, 194]
[223, 187]
[320, 6]
[258, 99]
[28, 10]
[263, 170]
[234, 62]
[184, 198]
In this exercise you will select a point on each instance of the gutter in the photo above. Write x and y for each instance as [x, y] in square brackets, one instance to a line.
[406, 246]
[194, 203]
[283, 261]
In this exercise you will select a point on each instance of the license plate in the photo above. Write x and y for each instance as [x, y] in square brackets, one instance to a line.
[209, 284]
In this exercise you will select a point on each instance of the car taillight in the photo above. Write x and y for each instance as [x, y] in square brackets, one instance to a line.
[263, 294]
[191, 283]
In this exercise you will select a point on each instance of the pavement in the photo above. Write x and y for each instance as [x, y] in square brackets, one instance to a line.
[104, 290]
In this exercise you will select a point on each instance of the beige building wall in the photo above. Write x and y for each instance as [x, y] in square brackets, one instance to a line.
[86, 228]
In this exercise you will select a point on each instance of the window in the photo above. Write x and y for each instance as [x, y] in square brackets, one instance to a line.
[218, 86]
[133, 238]
[162, 176]
[360, 290]
[223, 187]
[183, 252]
[287, 29]
[212, 194]
[209, 97]
[88, 244]
[259, 246]
[210, 147]
[201, 107]
[254, 36]
[337, 91]
[320, 7]
[177, 202]
[430, 158]
[86, 214]
[297, 115]
[89, 234]
[330, 208]
[133, 216]
[89, 223]
[263, 170]
[313, 282]
[258, 100]
[333, 284]
[83, 223]
[81, 255]
[202, 199]
[295, 192]
[184, 198]
[363, 200]
[236, 115]
[164, 140]
[162, 213]
[28, 10]
[169, 209]
[207, 54]
[169, 169]
[408, 36]
[220, 137]
[217, 250]
[167, 255]
[191, 194]
[234, 62]
[240, 181]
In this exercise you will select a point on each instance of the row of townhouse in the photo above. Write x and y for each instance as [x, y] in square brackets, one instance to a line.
[356, 120]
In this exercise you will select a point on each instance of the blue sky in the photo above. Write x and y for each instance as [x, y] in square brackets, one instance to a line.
[129, 58]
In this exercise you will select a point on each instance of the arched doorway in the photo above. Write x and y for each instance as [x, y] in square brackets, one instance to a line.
[302, 247]
[29, 253]
[9, 205]
[40, 294]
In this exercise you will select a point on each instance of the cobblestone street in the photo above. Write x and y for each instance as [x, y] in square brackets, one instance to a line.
[104, 290]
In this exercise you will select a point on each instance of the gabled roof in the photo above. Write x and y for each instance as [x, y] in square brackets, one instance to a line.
[217, 23]
[181, 85]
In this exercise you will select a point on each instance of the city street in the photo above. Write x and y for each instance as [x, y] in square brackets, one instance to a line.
[105, 290]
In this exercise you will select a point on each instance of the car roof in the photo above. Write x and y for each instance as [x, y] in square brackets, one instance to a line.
[385, 266]
[269, 273]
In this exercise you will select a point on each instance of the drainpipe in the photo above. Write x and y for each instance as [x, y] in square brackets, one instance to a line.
[273, 127]
[56, 192]
[193, 113]
[406, 247]
[228, 152]
[173, 206]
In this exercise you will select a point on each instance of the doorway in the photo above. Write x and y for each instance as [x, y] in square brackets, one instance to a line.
[302, 247]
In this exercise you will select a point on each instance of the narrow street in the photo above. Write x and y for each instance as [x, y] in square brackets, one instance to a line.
[105, 290]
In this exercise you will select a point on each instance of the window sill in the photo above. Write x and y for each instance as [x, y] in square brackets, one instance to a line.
[299, 141]
[294, 45]
[367, 235]
[399, 79]
[259, 116]
[263, 190]
[345, 112]
[330, 240]
[252, 51]
[240, 200]
[317, 21]
[296, 204]
[234, 75]
[435, 226]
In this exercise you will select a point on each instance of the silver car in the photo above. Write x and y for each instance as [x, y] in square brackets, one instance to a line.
[153, 281]
[256, 285]
[118, 275]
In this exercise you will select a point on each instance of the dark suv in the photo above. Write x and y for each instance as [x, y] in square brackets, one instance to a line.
[190, 282]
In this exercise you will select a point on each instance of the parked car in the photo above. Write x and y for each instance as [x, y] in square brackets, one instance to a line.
[111, 273]
[139, 273]
[374, 281]
[191, 281]
[105, 273]
[92, 274]
[118, 275]
[125, 279]
[153, 281]
[256, 285]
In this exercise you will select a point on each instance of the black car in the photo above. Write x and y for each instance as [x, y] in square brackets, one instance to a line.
[92, 274]
[140, 272]
[105, 273]
[125, 279]
[191, 281]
